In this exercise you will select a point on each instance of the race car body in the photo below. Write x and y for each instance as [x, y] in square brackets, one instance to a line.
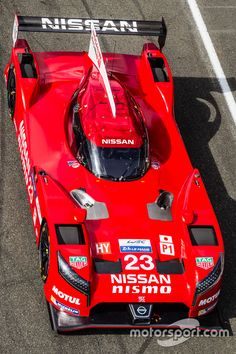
[126, 233]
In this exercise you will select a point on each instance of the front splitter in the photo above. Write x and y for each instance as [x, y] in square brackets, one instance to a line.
[62, 323]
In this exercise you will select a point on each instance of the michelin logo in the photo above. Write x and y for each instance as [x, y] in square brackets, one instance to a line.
[64, 307]
[135, 246]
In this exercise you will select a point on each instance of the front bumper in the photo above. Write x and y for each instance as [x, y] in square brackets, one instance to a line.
[106, 318]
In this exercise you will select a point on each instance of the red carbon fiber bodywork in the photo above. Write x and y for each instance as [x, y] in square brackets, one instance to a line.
[42, 121]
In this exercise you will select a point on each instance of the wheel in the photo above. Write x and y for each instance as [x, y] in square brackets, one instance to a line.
[11, 91]
[44, 252]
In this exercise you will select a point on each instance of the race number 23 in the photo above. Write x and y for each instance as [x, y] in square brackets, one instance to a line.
[144, 262]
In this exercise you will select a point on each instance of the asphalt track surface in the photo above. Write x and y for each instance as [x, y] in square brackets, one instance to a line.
[207, 129]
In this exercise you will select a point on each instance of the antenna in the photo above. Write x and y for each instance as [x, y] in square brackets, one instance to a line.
[95, 55]
[113, 60]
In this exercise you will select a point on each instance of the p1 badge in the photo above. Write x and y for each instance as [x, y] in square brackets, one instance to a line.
[135, 246]
[166, 245]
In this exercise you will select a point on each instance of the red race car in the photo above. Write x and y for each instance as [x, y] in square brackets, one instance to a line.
[126, 233]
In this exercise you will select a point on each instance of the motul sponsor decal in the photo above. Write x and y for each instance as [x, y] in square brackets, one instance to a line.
[205, 262]
[78, 262]
[61, 295]
[64, 307]
[135, 246]
[103, 248]
[166, 245]
[76, 24]
[131, 284]
[118, 141]
[210, 299]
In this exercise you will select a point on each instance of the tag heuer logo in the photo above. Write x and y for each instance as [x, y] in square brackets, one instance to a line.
[205, 262]
[78, 262]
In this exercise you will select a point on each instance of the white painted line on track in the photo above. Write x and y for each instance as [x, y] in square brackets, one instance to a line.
[229, 98]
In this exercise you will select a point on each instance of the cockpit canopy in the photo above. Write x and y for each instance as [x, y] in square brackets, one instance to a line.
[110, 147]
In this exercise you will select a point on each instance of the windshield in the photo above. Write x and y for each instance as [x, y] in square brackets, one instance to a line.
[118, 164]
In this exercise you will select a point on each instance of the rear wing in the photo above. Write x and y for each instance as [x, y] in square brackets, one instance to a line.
[83, 25]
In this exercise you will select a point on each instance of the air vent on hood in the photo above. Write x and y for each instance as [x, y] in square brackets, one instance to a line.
[70, 234]
[174, 266]
[95, 210]
[203, 236]
[165, 199]
[107, 267]
[161, 208]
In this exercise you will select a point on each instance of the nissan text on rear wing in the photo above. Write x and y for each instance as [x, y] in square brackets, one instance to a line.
[83, 25]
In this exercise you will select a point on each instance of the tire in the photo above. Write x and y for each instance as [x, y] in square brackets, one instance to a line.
[44, 252]
[11, 91]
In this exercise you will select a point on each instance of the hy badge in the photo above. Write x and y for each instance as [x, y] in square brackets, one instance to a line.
[78, 262]
[103, 248]
[205, 262]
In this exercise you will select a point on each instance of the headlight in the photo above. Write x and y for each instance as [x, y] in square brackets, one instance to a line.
[211, 279]
[65, 320]
[73, 278]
